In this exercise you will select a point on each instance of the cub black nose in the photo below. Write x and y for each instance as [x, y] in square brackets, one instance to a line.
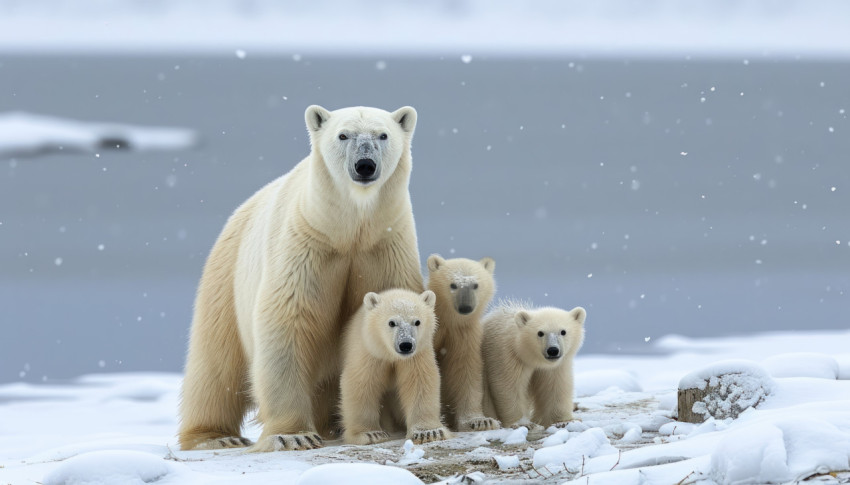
[464, 309]
[553, 351]
[365, 167]
[405, 347]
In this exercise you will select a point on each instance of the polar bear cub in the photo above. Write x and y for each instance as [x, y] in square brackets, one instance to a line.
[528, 363]
[464, 288]
[388, 347]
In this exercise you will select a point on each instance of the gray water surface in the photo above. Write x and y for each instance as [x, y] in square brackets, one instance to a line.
[696, 197]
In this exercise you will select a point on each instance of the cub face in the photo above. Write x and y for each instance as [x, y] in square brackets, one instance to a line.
[548, 335]
[398, 323]
[465, 284]
[361, 147]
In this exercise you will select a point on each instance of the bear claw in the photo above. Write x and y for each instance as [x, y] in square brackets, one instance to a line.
[481, 424]
[426, 436]
[227, 442]
[288, 442]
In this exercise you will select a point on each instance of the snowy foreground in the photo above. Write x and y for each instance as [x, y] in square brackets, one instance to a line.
[119, 428]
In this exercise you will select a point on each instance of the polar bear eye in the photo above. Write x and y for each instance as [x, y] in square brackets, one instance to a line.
[392, 323]
[539, 334]
[453, 286]
[475, 286]
[342, 136]
[563, 332]
[383, 136]
[416, 323]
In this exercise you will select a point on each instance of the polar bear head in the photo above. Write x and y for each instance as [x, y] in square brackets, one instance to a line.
[398, 323]
[361, 147]
[464, 285]
[549, 335]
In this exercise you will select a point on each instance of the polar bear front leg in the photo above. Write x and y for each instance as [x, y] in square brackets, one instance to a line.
[465, 368]
[552, 394]
[283, 376]
[419, 391]
[363, 385]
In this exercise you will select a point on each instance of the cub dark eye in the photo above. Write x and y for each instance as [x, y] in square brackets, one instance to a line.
[563, 332]
[416, 323]
[475, 286]
[539, 334]
[392, 323]
[383, 136]
[342, 136]
[453, 286]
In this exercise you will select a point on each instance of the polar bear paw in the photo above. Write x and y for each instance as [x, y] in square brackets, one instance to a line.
[287, 442]
[428, 435]
[226, 442]
[479, 423]
[563, 424]
[370, 437]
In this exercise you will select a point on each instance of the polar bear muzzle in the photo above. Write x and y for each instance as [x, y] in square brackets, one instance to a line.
[364, 166]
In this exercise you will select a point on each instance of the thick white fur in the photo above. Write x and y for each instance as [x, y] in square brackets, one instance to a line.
[518, 378]
[458, 339]
[372, 368]
[290, 267]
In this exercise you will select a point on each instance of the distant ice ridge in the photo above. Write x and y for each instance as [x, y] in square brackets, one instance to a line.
[603, 27]
[25, 134]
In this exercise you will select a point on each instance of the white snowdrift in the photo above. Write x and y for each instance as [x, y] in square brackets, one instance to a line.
[25, 134]
[120, 428]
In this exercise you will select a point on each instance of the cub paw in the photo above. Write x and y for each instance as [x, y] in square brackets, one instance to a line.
[428, 435]
[563, 424]
[287, 442]
[480, 424]
[226, 442]
[369, 437]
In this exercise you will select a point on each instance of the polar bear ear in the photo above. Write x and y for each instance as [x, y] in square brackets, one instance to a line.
[316, 116]
[579, 314]
[434, 262]
[371, 300]
[489, 264]
[429, 297]
[522, 318]
[406, 117]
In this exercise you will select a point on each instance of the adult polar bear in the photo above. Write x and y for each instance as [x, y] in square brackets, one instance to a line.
[291, 265]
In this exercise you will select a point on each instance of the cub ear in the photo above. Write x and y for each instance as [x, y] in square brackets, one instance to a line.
[371, 300]
[429, 298]
[522, 318]
[579, 314]
[489, 264]
[406, 118]
[316, 116]
[435, 261]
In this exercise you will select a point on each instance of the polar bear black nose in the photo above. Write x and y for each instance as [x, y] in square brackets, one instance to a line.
[553, 352]
[464, 309]
[365, 167]
[405, 347]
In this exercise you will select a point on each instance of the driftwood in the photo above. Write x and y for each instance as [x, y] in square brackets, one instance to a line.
[687, 399]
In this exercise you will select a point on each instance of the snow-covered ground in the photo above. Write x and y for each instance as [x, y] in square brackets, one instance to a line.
[26, 134]
[119, 428]
[540, 27]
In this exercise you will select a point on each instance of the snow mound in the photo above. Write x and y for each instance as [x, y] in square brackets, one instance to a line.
[25, 134]
[802, 364]
[111, 467]
[516, 437]
[733, 386]
[506, 462]
[357, 473]
[591, 383]
[782, 451]
[589, 444]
